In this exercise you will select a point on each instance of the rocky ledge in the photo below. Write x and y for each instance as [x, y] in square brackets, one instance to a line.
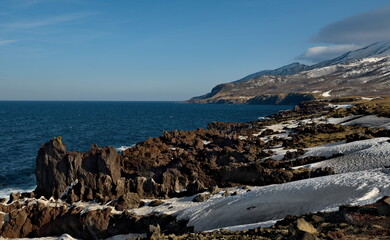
[97, 194]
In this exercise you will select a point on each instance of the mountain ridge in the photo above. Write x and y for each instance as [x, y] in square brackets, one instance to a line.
[363, 72]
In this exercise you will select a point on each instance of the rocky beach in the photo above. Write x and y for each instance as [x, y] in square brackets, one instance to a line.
[319, 171]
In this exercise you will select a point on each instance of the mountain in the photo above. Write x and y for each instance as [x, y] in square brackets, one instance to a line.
[292, 68]
[373, 50]
[363, 72]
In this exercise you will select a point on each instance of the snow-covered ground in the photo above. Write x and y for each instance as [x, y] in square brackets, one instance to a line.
[361, 179]
[357, 156]
[371, 121]
[264, 204]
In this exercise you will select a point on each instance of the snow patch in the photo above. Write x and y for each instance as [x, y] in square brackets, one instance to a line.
[371, 194]
[357, 156]
[276, 201]
[337, 106]
[326, 94]
[371, 121]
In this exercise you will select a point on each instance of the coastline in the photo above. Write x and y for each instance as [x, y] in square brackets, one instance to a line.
[204, 166]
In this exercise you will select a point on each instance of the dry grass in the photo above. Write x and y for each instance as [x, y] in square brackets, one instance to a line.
[380, 107]
[327, 138]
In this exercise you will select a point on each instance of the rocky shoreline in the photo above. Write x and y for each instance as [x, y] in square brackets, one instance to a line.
[101, 193]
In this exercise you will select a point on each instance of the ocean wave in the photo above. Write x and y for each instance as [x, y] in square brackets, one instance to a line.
[5, 192]
[263, 118]
[123, 148]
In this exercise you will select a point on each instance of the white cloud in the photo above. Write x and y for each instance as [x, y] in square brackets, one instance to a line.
[27, 3]
[45, 22]
[6, 42]
[349, 34]
[322, 53]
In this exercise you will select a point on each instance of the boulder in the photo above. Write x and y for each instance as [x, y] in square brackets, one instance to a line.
[201, 197]
[304, 226]
[214, 190]
[153, 232]
[384, 207]
[155, 203]
[195, 187]
[127, 201]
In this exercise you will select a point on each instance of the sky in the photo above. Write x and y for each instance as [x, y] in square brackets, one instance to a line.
[169, 50]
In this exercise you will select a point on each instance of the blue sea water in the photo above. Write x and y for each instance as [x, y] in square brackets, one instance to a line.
[25, 126]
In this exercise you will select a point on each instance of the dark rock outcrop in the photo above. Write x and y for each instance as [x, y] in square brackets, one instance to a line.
[78, 176]
[36, 218]
[175, 164]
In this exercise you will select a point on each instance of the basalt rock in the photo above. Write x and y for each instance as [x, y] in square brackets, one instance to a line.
[201, 197]
[36, 218]
[357, 137]
[81, 176]
[175, 164]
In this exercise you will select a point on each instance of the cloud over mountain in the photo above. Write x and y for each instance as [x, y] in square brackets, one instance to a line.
[322, 53]
[349, 34]
[367, 27]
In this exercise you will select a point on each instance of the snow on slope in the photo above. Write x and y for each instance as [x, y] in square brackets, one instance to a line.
[371, 121]
[299, 197]
[285, 70]
[358, 155]
[373, 50]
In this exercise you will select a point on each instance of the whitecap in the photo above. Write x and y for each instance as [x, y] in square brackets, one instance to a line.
[4, 193]
[123, 148]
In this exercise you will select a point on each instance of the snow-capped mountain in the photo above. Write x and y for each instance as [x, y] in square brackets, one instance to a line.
[363, 72]
[290, 69]
[373, 50]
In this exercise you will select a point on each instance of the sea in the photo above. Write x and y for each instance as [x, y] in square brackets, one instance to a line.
[26, 125]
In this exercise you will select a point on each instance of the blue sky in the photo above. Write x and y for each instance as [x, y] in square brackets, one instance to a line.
[168, 50]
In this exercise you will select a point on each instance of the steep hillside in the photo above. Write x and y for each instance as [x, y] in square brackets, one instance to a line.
[364, 72]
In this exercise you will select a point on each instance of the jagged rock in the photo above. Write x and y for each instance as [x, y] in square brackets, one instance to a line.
[306, 227]
[14, 196]
[201, 197]
[214, 190]
[384, 207]
[36, 219]
[309, 236]
[195, 187]
[153, 232]
[127, 201]
[155, 203]
[337, 235]
[58, 171]
[153, 170]
[317, 219]
[293, 154]
[357, 137]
